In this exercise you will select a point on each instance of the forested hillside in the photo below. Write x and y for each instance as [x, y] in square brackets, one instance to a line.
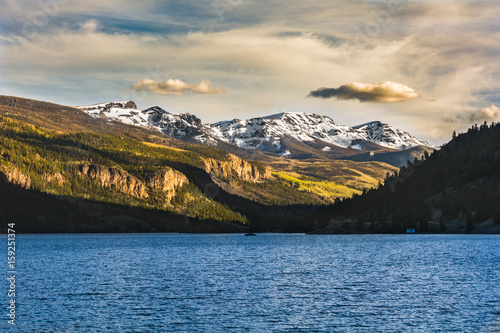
[455, 189]
[65, 168]
[103, 168]
[54, 182]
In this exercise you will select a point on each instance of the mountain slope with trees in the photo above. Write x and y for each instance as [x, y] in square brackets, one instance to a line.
[56, 156]
[455, 189]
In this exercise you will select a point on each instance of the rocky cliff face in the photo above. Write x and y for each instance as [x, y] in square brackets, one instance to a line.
[115, 178]
[55, 177]
[165, 180]
[235, 167]
[15, 176]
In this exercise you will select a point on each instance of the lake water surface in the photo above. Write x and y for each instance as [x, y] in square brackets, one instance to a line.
[268, 283]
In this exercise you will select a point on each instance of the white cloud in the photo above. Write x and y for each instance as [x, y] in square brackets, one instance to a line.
[176, 87]
[89, 26]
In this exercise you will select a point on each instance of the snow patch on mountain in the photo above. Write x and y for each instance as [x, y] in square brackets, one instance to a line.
[255, 133]
[125, 112]
[388, 136]
[178, 125]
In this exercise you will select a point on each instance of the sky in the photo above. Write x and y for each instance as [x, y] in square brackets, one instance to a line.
[426, 67]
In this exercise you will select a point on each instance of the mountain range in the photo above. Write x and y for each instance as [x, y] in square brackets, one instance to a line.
[293, 135]
[77, 171]
[74, 167]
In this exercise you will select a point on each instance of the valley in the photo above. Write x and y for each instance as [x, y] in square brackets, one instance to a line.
[81, 157]
[139, 175]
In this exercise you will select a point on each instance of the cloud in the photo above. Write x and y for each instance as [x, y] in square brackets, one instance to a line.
[89, 26]
[381, 92]
[176, 87]
[489, 113]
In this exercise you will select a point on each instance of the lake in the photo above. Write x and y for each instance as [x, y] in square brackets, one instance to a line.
[267, 283]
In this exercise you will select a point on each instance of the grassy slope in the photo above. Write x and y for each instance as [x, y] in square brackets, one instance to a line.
[322, 188]
[329, 180]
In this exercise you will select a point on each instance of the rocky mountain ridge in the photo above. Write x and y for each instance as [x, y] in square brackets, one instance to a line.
[262, 133]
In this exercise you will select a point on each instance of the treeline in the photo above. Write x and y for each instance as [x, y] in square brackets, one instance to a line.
[38, 212]
[459, 182]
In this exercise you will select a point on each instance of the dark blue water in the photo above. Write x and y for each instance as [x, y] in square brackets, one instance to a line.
[268, 283]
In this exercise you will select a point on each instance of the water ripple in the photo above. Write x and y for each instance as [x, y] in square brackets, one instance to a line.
[271, 283]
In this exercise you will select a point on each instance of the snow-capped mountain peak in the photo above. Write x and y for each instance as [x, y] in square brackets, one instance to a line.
[179, 125]
[125, 112]
[263, 133]
[266, 133]
[371, 123]
[154, 109]
[388, 136]
[108, 106]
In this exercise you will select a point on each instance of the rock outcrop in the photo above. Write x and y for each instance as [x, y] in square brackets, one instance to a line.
[165, 180]
[235, 167]
[115, 178]
[15, 176]
[55, 177]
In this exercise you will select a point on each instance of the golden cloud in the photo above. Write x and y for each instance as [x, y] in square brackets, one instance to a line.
[489, 113]
[381, 92]
[177, 87]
